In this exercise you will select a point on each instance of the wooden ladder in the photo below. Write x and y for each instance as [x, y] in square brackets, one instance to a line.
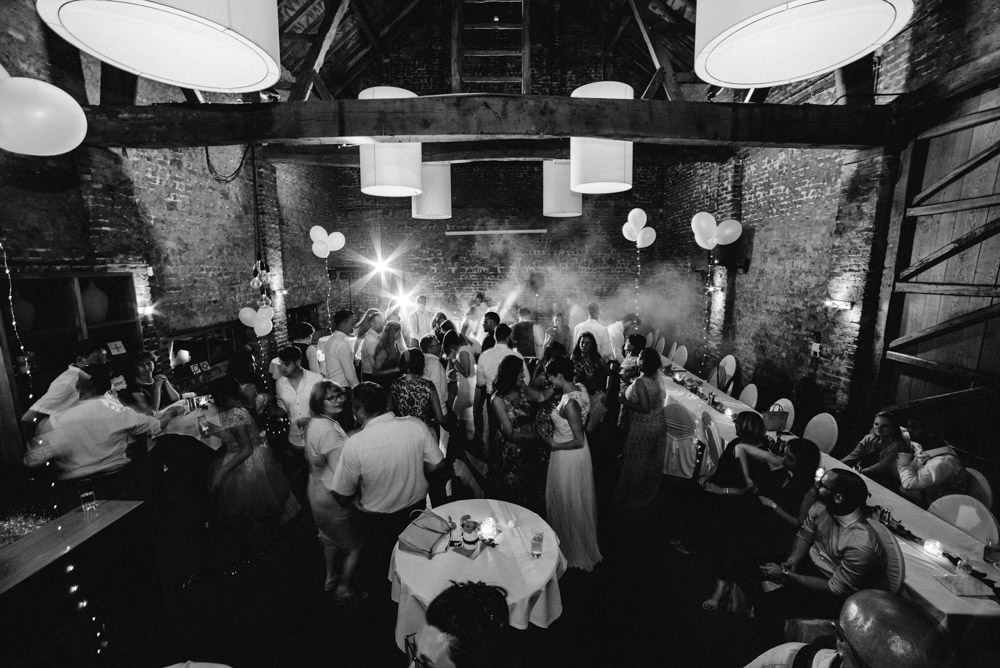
[489, 39]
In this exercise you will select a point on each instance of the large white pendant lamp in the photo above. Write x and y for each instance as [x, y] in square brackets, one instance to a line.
[36, 118]
[227, 46]
[600, 166]
[758, 43]
[434, 203]
[558, 200]
[389, 169]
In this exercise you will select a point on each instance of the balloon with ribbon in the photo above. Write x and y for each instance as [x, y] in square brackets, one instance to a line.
[324, 243]
[320, 249]
[703, 225]
[248, 316]
[336, 241]
[629, 232]
[317, 233]
[637, 219]
[728, 232]
[647, 236]
[707, 244]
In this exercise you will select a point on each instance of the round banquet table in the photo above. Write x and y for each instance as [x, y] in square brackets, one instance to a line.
[532, 584]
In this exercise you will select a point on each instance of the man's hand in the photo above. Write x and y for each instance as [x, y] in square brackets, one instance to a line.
[773, 572]
[302, 423]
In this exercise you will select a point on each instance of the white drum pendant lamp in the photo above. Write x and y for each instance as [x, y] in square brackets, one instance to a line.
[389, 169]
[37, 118]
[226, 46]
[601, 166]
[558, 201]
[434, 203]
[760, 43]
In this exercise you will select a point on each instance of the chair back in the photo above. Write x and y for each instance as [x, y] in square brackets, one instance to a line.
[823, 431]
[895, 564]
[681, 447]
[713, 447]
[749, 396]
[673, 349]
[659, 345]
[728, 363]
[680, 356]
[787, 406]
[969, 515]
[979, 487]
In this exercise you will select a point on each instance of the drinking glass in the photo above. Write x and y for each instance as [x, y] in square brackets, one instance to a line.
[88, 499]
[537, 536]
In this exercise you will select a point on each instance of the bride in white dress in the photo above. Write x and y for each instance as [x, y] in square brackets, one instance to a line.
[570, 506]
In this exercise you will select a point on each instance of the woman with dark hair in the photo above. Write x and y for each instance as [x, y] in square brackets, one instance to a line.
[729, 478]
[336, 524]
[875, 455]
[251, 491]
[461, 373]
[634, 345]
[551, 351]
[385, 367]
[437, 320]
[412, 394]
[785, 491]
[645, 445]
[514, 429]
[146, 392]
[558, 332]
[588, 367]
[570, 505]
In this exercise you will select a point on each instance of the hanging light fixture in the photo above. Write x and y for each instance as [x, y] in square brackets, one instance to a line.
[434, 203]
[36, 118]
[389, 169]
[558, 201]
[759, 43]
[600, 166]
[227, 46]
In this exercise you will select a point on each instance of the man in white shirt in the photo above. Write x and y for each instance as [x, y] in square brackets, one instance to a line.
[62, 393]
[418, 323]
[292, 394]
[486, 373]
[594, 326]
[620, 330]
[338, 357]
[384, 468]
[932, 469]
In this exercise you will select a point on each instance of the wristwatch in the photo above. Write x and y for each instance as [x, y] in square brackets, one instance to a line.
[785, 573]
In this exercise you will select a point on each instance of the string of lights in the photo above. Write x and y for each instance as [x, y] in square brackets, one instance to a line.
[638, 277]
[23, 362]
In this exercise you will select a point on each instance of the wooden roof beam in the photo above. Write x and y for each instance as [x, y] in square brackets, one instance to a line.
[317, 51]
[446, 118]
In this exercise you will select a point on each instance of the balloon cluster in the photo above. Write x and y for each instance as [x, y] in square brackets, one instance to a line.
[259, 319]
[323, 243]
[708, 235]
[635, 229]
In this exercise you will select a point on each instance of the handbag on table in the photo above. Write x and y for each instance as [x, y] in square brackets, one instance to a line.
[425, 533]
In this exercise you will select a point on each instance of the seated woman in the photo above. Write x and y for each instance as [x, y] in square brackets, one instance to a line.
[145, 392]
[875, 454]
[785, 491]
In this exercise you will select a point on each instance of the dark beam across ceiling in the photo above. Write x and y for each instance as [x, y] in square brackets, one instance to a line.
[449, 118]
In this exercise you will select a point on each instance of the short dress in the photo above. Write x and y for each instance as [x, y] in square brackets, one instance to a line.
[336, 525]
[411, 396]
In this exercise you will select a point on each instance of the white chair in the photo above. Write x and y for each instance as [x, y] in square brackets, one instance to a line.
[749, 396]
[682, 451]
[787, 406]
[969, 515]
[895, 564]
[979, 487]
[660, 343]
[680, 356]
[673, 349]
[728, 365]
[823, 431]
[712, 450]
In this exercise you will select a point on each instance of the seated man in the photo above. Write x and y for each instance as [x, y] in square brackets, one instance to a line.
[89, 440]
[932, 469]
[875, 629]
[845, 556]
[464, 627]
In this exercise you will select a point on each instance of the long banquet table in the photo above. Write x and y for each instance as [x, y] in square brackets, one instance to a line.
[921, 582]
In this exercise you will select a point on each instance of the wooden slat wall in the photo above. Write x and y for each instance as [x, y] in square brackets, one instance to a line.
[975, 347]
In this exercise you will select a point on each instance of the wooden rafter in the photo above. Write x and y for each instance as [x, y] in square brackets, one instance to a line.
[659, 58]
[950, 325]
[317, 51]
[360, 61]
[953, 289]
[963, 122]
[297, 14]
[480, 117]
[959, 396]
[357, 7]
[943, 368]
[967, 204]
[950, 249]
[958, 172]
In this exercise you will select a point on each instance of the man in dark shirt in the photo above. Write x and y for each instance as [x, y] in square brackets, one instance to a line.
[490, 322]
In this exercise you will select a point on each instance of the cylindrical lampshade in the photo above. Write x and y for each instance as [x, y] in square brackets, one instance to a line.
[558, 201]
[36, 118]
[389, 169]
[434, 203]
[760, 43]
[599, 166]
[226, 46]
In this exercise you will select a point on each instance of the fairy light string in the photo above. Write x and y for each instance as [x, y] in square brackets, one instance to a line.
[13, 323]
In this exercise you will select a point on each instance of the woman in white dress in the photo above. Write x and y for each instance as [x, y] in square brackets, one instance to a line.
[570, 505]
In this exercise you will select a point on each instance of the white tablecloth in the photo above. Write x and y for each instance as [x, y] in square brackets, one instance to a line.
[532, 584]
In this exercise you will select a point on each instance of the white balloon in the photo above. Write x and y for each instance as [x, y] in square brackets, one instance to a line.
[248, 316]
[647, 236]
[320, 249]
[703, 224]
[317, 233]
[263, 328]
[728, 232]
[336, 241]
[629, 232]
[707, 244]
[265, 312]
[37, 118]
[637, 219]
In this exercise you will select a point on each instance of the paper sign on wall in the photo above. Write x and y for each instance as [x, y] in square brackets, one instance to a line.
[116, 347]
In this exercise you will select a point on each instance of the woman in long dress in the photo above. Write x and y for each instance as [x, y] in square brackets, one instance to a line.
[514, 433]
[336, 524]
[645, 446]
[570, 504]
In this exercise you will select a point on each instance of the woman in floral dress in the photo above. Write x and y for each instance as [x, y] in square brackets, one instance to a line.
[515, 429]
